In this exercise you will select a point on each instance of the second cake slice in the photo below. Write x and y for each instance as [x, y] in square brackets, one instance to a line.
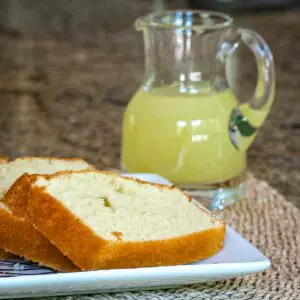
[19, 236]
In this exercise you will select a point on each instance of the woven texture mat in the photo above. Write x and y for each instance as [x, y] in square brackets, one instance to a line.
[272, 224]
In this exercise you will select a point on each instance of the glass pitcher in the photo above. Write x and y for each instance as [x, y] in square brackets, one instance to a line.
[184, 123]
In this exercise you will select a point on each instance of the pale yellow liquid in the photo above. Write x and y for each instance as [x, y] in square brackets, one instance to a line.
[183, 137]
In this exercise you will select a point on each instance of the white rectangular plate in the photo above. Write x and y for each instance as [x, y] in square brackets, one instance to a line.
[237, 258]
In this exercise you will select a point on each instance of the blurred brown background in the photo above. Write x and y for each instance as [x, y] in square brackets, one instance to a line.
[68, 68]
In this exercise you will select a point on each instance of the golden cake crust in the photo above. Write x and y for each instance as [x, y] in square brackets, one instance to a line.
[19, 237]
[6, 255]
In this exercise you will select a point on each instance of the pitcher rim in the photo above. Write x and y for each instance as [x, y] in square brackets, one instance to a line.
[147, 20]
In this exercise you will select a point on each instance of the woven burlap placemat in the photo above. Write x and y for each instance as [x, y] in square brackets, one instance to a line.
[268, 221]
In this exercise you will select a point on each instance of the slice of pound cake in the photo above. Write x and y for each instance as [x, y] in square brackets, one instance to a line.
[17, 235]
[103, 221]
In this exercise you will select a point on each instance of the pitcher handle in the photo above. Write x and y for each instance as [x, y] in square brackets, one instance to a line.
[247, 118]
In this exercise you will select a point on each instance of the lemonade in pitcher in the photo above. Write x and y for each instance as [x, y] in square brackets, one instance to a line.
[184, 123]
[181, 136]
